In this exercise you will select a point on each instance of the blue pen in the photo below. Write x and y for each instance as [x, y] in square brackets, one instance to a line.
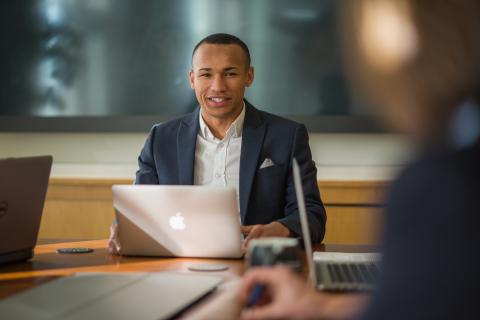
[255, 295]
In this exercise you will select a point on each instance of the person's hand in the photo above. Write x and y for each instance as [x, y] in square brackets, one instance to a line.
[274, 229]
[113, 242]
[287, 296]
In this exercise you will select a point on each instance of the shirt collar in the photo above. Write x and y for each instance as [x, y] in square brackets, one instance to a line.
[235, 129]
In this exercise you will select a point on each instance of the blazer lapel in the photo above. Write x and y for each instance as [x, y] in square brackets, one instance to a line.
[252, 140]
[186, 142]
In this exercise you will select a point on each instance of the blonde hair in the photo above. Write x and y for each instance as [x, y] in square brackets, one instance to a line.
[418, 81]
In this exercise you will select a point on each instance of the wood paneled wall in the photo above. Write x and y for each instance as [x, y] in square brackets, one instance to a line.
[354, 210]
[82, 209]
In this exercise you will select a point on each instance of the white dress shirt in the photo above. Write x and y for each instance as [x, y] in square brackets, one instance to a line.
[217, 162]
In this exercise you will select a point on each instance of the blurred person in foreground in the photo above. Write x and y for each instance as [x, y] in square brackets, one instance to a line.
[418, 63]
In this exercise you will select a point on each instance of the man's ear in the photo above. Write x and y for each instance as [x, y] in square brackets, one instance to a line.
[191, 79]
[250, 76]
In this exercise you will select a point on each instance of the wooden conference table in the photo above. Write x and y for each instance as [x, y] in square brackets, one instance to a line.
[47, 265]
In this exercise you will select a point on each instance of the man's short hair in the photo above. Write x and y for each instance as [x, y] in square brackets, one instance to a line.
[224, 38]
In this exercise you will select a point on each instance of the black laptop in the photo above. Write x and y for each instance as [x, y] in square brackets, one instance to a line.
[23, 186]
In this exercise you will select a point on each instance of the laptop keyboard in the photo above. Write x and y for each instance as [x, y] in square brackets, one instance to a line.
[346, 276]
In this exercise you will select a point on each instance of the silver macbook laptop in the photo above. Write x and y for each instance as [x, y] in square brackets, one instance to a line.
[23, 186]
[146, 296]
[338, 271]
[178, 221]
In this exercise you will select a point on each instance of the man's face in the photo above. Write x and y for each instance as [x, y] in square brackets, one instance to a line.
[219, 76]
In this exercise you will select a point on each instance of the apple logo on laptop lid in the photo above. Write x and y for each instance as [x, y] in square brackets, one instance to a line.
[177, 222]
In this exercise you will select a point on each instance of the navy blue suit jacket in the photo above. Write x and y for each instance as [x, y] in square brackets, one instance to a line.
[266, 194]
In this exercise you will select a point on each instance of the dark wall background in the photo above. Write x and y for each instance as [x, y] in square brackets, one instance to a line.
[115, 65]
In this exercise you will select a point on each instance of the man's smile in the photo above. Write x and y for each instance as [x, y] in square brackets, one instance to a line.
[218, 100]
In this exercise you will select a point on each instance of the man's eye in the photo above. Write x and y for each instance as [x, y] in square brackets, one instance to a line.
[205, 75]
[230, 74]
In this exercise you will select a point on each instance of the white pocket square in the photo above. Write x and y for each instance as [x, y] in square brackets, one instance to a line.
[267, 163]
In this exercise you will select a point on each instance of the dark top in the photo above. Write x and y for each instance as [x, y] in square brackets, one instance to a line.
[265, 194]
[431, 253]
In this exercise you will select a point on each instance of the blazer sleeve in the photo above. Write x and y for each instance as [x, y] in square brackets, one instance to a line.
[315, 210]
[147, 173]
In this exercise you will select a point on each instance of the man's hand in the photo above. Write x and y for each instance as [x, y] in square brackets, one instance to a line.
[274, 229]
[113, 242]
[287, 296]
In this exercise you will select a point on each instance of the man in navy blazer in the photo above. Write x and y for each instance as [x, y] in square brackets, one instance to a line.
[266, 194]
[261, 163]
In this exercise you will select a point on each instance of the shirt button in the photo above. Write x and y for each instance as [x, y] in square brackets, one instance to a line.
[220, 145]
[218, 175]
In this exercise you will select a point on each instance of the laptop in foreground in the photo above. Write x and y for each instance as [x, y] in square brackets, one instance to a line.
[23, 186]
[335, 271]
[177, 221]
[148, 296]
